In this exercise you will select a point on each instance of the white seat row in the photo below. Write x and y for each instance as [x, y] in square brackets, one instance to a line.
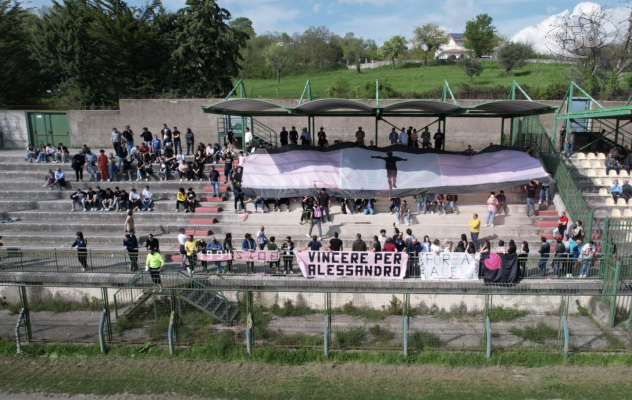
[620, 202]
[590, 156]
[616, 213]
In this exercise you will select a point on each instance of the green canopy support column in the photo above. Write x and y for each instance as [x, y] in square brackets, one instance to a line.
[24, 305]
[443, 130]
[376, 121]
[502, 129]
[555, 137]
[616, 133]
[106, 308]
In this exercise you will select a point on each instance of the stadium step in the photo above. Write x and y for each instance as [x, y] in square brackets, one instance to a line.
[198, 232]
[208, 209]
[202, 221]
[546, 224]
[212, 199]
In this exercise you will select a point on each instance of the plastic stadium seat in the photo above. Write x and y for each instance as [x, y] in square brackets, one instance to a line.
[621, 202]
[598, 164]
[607, 182]
[627, 213]
[591, 173]
[623, 174]
[586, 165]
[603, 192]
[613, 174]
[590, 156]
[610, 202]
[601, 173]
[581, 156]
[601, 156]
[597, 182]
[616, 213]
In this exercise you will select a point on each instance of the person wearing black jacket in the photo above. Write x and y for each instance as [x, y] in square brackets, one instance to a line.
[152, 243]
[190, 138]
[283, 136]
[147, 137]
[130, 245]
[77, 163]
[81, 243]
[79, 197]
[293, 136]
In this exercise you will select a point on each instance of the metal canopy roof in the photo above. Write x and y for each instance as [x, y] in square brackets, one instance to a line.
[510, 107]
[429, 106]
[328, 106]
[246, 107]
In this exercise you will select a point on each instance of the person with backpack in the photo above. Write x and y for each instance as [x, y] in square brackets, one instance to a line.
[81, 243]
[315, 219]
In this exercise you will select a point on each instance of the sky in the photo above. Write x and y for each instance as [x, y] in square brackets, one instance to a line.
[381, 19]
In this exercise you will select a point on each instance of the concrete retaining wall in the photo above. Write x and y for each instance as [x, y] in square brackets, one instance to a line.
[13, 129]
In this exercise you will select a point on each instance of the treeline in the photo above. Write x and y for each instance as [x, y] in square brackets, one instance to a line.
[92, 52]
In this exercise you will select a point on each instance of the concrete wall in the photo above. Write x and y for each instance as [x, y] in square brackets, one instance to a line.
[13, 129]
[93, 127]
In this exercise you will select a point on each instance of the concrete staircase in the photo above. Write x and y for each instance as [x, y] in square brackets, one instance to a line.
[46, 220]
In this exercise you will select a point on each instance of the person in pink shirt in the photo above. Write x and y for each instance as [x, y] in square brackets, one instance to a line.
[492, 205]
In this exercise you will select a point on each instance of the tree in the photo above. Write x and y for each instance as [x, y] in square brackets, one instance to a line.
[317, 46]
[429, 38]
[244, 25]
[471, 66]
[279, 56]
[20, 79]
[393, 47]
[513, 55]
[206, 55]
[479, 34]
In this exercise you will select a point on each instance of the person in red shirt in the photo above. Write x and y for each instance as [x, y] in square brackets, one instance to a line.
[389, 245]
[562, 225]
[145, 153]
[102, 162]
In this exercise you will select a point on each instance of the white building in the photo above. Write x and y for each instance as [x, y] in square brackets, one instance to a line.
[455, 48]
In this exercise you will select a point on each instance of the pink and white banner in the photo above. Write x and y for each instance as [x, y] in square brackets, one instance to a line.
[352, 264]
[449, 266]
[256, 255]
[359, 172]
[215, 257]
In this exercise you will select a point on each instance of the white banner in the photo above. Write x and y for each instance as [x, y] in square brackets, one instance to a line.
[454, 266]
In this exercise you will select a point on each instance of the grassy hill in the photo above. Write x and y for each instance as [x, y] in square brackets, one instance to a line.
[542, 81]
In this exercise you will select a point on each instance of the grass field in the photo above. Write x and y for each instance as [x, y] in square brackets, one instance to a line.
[408, 80]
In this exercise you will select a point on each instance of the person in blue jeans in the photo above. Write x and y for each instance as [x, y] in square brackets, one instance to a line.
[531, 188]
[214, 247]
[569, 141]
[213, 177]
[545, 249]
[586, 256]
[368, 209]
[260, 202]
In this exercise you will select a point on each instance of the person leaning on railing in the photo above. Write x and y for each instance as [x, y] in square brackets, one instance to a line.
[154, 265]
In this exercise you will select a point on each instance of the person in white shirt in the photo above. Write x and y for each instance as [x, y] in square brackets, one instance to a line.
[134, 200]
[148, 201]
[382, 238]
[133, 153]
[586, 256]
[403, 137]
[182, 239]
[52, 152]
[242, 159]
[209, 151]
[435, 247]
[180, 157]
[60, 179]
[248, 136]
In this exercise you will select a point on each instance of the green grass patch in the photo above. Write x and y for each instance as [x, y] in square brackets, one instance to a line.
[380, 334]
[421, 340]
[56, 305]
[351, 337]
[541, 81]
[535, 333]
[500, 314]
[290, 310]
[300, 340]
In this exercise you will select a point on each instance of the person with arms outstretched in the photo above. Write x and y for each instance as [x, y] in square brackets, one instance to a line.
[391, 168]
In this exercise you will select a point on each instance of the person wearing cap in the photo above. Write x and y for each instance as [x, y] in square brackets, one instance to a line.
[134, 200]
[249, 244]
[148, 201]
[359, 135]
[154, 264]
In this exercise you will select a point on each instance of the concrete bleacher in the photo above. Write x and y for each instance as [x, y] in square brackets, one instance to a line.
[45, 219]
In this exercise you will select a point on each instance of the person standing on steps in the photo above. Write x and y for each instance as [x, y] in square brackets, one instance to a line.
[315, 219]
[359, 135]
[129, 221]
[81, 243]
[531, 188]
[116, 140]
[293, 136]
[130, 245]
[77, 163]
[325, 202]
[475, 229]
[154, 264]
[562, 138]
[249, 244]
[190, 138]
[283, 136]
[177, 139]
[391, 168]
[570, 141]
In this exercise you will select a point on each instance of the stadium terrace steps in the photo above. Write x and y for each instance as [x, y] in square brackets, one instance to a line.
[46, 220]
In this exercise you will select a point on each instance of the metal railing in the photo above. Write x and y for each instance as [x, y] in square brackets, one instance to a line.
[98, 261]
[535, 136]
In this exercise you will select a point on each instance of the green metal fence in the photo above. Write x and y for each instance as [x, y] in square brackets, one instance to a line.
[535, 136]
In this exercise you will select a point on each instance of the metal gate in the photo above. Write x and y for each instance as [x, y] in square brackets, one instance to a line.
[48, 127]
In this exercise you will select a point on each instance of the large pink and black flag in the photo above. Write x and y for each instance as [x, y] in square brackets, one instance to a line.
[352, 171]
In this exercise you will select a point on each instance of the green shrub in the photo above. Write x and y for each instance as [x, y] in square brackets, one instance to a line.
[537, 334]
[381, 335]
[350, 337]
[290, 310]
[395, 306]
[423, 339]
[499, 314]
